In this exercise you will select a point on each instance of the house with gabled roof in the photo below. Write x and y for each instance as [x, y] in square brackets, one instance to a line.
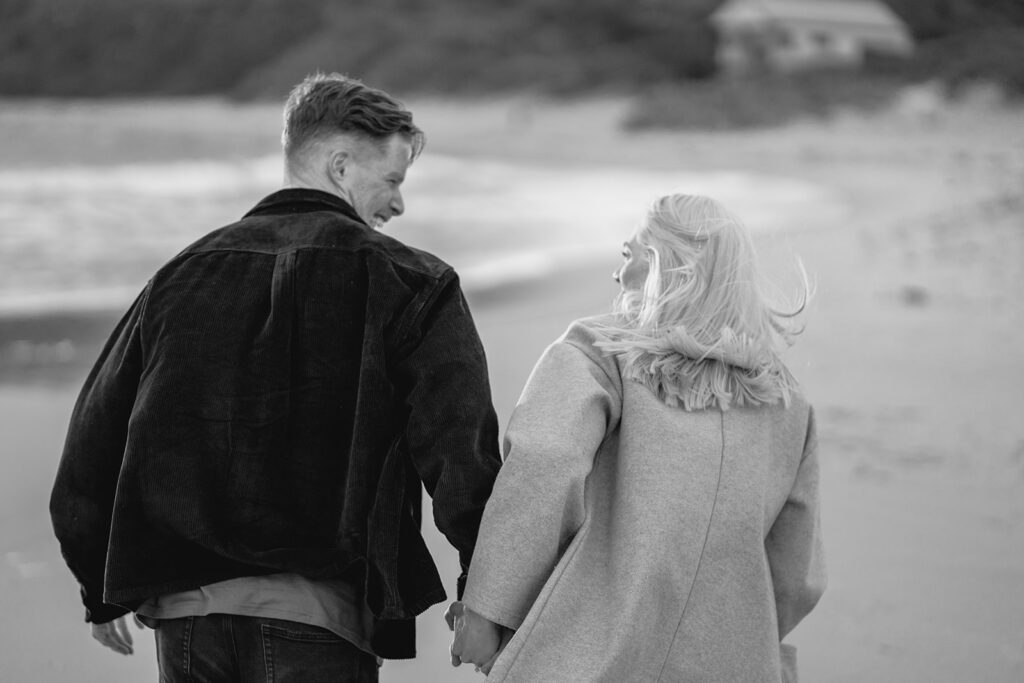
[789, 35]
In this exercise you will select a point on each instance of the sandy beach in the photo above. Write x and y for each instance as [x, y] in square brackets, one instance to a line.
[913, 356]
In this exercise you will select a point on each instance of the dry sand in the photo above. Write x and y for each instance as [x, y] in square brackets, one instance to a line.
[912, 355]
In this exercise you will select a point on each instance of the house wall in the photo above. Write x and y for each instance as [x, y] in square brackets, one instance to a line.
[815, 46]
[793, 46]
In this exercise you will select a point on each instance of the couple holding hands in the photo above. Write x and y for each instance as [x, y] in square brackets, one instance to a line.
[244, 464]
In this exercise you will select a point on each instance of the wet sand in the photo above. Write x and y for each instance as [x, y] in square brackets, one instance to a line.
[912, 356]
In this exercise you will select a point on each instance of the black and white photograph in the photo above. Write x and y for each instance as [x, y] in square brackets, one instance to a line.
[539, 341]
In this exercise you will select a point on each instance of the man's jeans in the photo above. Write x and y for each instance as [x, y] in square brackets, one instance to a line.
[222, 647]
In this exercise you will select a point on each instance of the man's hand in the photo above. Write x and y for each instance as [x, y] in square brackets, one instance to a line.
[115, 635]
[477, 640]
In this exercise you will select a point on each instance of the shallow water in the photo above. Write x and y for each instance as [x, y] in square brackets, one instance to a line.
[74, 237]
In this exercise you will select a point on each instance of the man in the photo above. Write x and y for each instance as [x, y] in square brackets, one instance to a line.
[243, 465]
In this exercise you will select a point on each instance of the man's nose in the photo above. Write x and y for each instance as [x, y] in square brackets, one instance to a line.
[397, 204]
[616, 275]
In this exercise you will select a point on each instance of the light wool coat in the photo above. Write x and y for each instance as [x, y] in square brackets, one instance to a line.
[626, 540]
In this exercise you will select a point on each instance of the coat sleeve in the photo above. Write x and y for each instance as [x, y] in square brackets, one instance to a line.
[452, 432]
[82, 499]
[565, 412]
[794, 543]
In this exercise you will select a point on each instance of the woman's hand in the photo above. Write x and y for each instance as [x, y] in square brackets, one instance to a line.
[506, 635]
[476, 640]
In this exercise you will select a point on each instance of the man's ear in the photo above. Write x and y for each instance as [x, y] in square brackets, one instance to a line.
[338, 164]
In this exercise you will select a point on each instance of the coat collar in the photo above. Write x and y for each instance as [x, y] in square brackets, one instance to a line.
[303, 200]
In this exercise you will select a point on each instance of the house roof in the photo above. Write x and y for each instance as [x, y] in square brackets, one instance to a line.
[863, 13]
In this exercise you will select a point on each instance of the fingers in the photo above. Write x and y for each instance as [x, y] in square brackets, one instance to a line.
[459, 639]
[486, 667]
[121, 626]
[108, 635]
[476, 639]
[458, 643]
[506, 636]
[454, 610]
[457, 624]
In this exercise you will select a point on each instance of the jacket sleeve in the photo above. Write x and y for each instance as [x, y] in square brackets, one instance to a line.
[82, 499]
[794, 545]
[563, 415]
[452, 432]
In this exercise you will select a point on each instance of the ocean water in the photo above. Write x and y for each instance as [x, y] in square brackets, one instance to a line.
[80, 237]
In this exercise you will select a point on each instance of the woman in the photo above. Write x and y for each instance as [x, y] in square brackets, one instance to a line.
[656, 518]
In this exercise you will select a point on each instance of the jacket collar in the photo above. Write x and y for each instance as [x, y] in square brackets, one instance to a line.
[303, 200]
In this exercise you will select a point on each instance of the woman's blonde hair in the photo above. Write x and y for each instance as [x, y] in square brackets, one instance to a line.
[700, 332]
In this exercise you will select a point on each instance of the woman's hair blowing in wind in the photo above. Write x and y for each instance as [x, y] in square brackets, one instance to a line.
[700, 332]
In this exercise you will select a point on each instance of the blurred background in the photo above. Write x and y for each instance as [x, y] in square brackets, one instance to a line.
[880, 141]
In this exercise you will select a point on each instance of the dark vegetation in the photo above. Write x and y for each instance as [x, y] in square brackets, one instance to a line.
[259, 48]
[767, 100]
[656, 48]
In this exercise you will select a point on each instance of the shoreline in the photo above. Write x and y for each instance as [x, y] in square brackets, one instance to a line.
[88, 238]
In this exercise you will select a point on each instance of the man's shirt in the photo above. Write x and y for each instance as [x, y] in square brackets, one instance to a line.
[332, 604]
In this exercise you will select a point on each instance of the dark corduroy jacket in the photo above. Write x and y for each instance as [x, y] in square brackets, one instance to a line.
[271, 402]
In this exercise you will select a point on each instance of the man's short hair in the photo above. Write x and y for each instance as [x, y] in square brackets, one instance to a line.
[327, 104]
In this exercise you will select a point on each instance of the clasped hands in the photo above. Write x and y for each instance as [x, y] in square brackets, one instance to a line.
[475, 640]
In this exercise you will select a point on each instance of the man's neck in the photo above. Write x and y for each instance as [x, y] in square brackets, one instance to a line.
[298, 182]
